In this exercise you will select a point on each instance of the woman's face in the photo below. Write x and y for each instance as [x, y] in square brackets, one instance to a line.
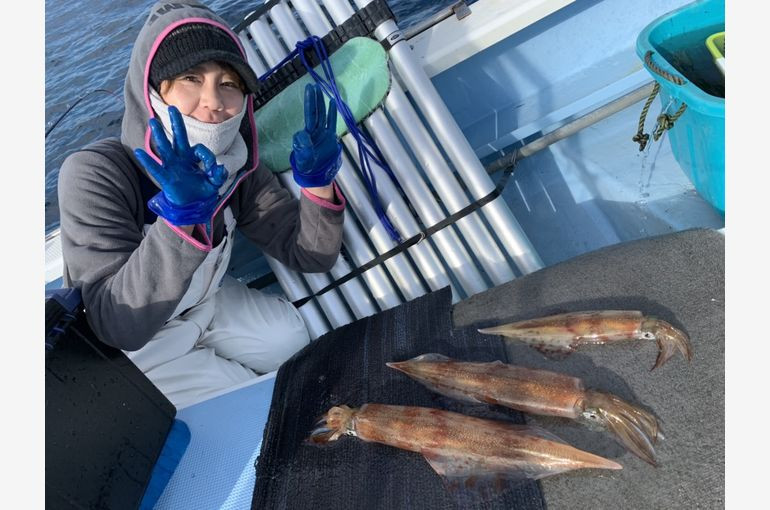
[207, 92]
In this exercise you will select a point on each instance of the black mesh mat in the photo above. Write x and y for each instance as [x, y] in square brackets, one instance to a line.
[347, 366]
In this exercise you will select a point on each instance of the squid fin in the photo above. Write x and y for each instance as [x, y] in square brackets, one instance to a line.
[553, 352]
[441, 389]
[452, 393]
[471, 479]
[531, 430]
[431, 356]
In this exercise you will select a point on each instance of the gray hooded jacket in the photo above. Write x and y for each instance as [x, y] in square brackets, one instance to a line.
[131, 282]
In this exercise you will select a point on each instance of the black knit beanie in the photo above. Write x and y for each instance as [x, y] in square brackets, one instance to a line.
[195, 43]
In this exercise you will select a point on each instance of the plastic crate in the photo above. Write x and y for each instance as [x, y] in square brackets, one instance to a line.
[676, 42]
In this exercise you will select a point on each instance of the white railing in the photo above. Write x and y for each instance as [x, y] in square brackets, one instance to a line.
[435, 190]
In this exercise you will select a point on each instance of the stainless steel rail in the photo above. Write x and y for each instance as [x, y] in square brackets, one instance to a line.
[431, 181]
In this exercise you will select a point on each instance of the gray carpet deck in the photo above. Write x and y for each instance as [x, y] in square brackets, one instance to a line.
[678, 278]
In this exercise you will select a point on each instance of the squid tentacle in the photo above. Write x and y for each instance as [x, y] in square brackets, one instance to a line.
[336, 422]
[634, 428]
[669, 340]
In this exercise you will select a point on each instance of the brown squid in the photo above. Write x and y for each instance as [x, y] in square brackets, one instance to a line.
[538, 392]
[465, 451]
[557, 336]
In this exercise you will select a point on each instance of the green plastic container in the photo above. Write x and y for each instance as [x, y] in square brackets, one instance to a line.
[716, 46]
[677, 44]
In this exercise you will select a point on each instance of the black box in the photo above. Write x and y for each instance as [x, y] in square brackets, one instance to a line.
[105, 422]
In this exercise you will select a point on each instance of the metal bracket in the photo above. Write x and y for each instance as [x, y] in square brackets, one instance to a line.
[392, 39]
[461, 9]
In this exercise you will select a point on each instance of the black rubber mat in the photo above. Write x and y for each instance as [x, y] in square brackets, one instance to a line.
[347, 366]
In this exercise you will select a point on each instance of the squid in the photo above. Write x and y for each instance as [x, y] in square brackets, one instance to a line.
[557, 336]
[467, 452]
[537, 392]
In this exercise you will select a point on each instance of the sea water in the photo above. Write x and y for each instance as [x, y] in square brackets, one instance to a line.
[87, 49]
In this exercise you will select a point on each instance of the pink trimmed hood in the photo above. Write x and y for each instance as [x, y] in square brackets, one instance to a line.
[164, 17]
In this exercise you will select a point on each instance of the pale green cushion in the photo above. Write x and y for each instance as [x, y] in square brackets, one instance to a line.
[361, 71]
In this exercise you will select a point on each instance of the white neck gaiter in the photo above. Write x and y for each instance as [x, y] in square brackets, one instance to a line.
[223, 139]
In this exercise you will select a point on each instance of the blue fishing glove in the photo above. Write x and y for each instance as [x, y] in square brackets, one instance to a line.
[316, 154]
[188, 194]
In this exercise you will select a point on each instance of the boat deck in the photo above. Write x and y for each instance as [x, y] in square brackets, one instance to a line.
[676, 277]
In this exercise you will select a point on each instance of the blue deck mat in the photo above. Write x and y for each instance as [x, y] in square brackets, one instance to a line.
[217, 470]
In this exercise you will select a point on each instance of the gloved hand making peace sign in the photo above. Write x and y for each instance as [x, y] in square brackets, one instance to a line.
[316, 154]
[188, 194]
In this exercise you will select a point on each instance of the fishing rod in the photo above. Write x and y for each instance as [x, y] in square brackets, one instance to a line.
[48, 131]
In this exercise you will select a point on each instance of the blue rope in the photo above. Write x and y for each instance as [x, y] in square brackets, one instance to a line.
[279, 64]
[367, 148]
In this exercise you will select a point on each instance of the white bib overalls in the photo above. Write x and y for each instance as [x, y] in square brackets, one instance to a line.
[221, 334]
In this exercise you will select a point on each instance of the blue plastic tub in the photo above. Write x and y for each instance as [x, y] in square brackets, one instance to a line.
[677, 41]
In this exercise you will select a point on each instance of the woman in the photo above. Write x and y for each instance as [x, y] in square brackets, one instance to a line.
[148, 221]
